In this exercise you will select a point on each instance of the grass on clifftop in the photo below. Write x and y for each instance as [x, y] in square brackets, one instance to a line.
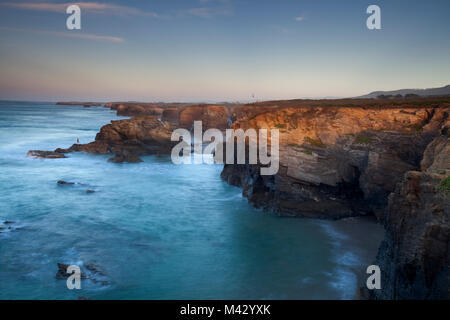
[363, 139]
[445, 186]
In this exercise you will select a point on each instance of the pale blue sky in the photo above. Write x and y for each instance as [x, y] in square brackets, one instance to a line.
[215, 50]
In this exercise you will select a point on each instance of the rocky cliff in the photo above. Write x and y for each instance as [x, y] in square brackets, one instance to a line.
[128, 139]
[337, 161]
[414, 256]
[212, 116]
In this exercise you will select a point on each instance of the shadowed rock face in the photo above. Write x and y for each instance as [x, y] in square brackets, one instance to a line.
[414, 256]
[337, 161]
[212, 116]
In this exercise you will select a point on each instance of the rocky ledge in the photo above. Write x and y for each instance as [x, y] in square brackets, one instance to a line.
[149, 132]
[128, 139]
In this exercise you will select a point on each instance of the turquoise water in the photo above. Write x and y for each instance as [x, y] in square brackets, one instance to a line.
[158, 231]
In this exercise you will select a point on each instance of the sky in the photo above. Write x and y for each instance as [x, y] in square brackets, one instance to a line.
[220, 50]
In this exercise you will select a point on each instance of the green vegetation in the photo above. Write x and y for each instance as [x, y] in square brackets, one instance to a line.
[363, 139]
[418, 128]
[280, 126]
[442, 172]
[314, 142]
[445, 186]
[307, 151]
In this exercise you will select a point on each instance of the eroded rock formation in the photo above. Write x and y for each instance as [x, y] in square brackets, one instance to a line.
[414, 256]
[337, 161]
[128, 139]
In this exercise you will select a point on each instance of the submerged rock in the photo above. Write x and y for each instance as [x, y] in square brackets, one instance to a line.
[125, 157]
[6, 226]
[94, 268]
[45, 154]
[62, 272]
[89, 271]
[90, 191]
[62, 183]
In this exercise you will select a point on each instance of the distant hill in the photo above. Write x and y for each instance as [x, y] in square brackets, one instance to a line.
[444, 91]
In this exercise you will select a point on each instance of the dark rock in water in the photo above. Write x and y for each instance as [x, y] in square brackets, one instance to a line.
[45, 154]
[89, 271]
[62, 182]
[83, 298]
[90, 191]
[92, 267]
[6, 226]
[62, 272]
[116, 159]
[125, 157]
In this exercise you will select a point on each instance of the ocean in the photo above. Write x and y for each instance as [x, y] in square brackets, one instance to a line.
[155, 230]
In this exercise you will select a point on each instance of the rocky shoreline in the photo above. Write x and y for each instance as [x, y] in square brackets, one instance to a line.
[338, 159]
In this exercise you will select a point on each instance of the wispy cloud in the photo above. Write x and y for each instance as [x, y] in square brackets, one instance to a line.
[299, 18]
[281, 29]
[204, 12]
[209, 9]
[95, 7]
[68, 34]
